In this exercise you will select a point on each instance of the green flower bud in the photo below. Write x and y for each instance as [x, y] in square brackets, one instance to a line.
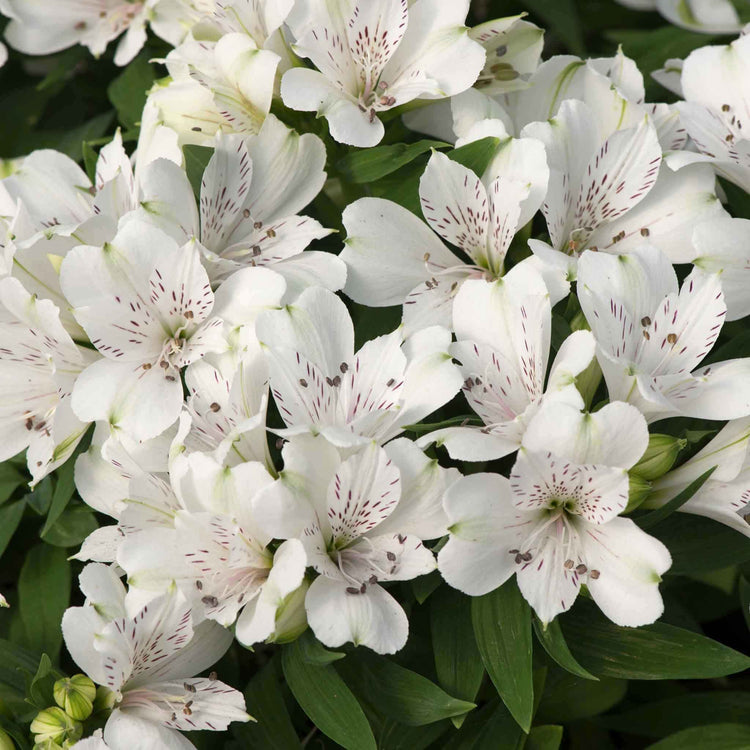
[49, 745]
[291, 618]
[639, 491]
[659, 457]
[105, 699]
[6, 743]
[588, 381]
[55, 725]
[75, 695]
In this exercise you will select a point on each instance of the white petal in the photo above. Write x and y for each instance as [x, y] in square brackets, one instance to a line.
[373, 619]
[630, 565]
[125, 730]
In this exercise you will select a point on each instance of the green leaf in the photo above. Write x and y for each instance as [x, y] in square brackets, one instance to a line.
[19, 734]
[90, 157]
[714, 736]
[545, 737]
[568, 698]
[10, 517]
[73, 526]
[502, 627]
[561, 18]
[662, 717]
[326, 700]
[457, 660]
[128, 91]
[651, 652]
[39, 689]
[10, 480]
[402, 186]
[43, 595]
[70, 142]
[698, 544]
[492, 728]
[40, 498]
[744, 590]
[314, 652]
[64, 489]
[554, 644]
[273, 729]
[424, 586]
[649, 520]
[14, 661]
[409, 698]
[365, 165]
[396, 736]
[196, 161]
[477, 155]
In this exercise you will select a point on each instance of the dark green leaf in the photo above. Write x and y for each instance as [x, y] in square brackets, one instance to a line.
[663, 717]
[327, 701]
[698, 544]
[554, 644]
[365, 165]
[657, 516]
[493, 728]
[561, 17]
[43, 595]
[18, 733]
[196, 161]
[40, 498]
[545, 737]
[477, 155]
[402, 186]
[70, 142]
[273, 729]
[652, 652]
[90, 157]
[424, 586]
[396, 736]
[128, 91]
[314, 652]
[73, 526]
[39, 690]
[10, 480]
[457, 659]
[10, 517]
[715, 737]
[567, 698]
[502, 627]
[744, 590]
[409, 698]
[64, 489]
[14, 661]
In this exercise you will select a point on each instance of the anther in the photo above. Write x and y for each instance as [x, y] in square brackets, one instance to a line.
[271, 233]
[391, 556]
[672, 338]
[568, 564]
[343, 367]
[146, 365]
[188, 687]
[213, 676]
[352, 590]
[581, 569]
[594, 574]
[646, 321]
[645, 232]
[246, 213]
[29, 423]
[303, 382]
[210, 601]
[390, 382]
[215, 407]
[257, 225]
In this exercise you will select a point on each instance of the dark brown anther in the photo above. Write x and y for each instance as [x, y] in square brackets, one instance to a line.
[568, 564]
[343, 367]
[189, 315]
[363, 588]
[519, 559]
[29, 423]
[372, 580]
[213, 676]
[646, 321]
[215, 407]
[210, 601]
[581, 569]
[146, 365]
[188, 687]
[196, 129]
[352, 590]
[257, 225]
[164, 364]
[594, 574]
[645, 232]
[391, 556]
[672, 338]
[336, 381]
[256, 250]
[303, 382]
[271, 233]
[390, 382]
[199, 585]
[246, 213]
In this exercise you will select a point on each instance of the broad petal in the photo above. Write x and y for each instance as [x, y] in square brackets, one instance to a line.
[125, 730]
[630, 564]
[388, 252]
[373, 619]
[475, 443]
[484, 526]
[311, 268]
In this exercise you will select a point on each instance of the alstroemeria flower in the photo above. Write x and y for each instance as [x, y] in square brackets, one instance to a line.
[707, 16]
[321, 385]
[651, 336]
[39, 364]
[148, 659]
[251, 193]
[503, 340]
[216, 552]
[725, 496]
[375, 55]
[716, 111]
[362, 521]
[555, 522]
[393, 258]
[145, 304]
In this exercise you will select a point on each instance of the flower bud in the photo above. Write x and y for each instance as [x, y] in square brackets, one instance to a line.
[6, 743]
[291, 618]
[105, 699]
[55, 725]
[75, 695]
[639, 491]
[659, 457]
[50, 745]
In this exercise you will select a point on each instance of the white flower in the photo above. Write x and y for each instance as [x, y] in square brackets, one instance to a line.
[503, 339]
[651, 336]
[716, 113]
[726, 493]
[148, 659]
[707, 16]
[321, 385]
[39, 364]
[145, 304]
[393, 258]
[555, 522]
[251, 193]
[376, 55]
[362, 521]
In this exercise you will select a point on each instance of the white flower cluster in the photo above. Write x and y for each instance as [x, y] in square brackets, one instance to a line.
[166, 321]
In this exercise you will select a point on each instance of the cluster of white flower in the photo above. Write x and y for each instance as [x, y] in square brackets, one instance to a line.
[166, 320]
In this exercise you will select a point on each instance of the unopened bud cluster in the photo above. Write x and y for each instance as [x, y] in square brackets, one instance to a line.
[60, 726]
